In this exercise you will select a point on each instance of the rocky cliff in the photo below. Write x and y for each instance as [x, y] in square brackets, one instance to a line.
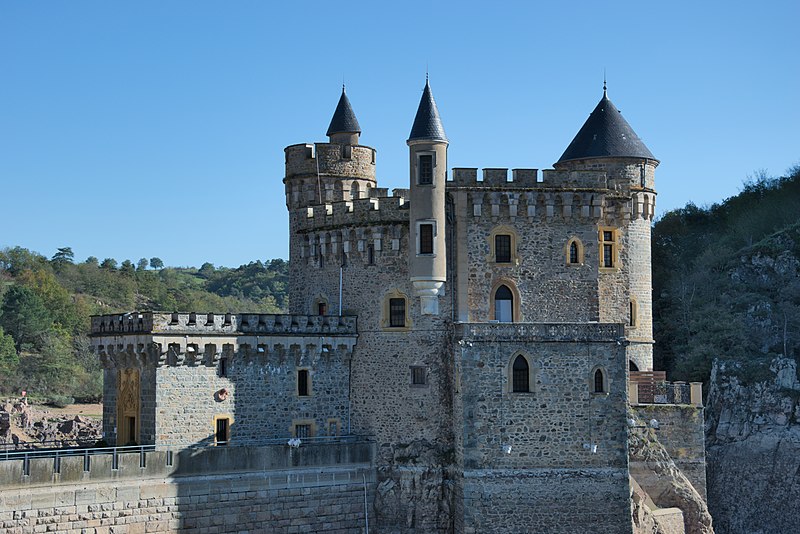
[753, 447]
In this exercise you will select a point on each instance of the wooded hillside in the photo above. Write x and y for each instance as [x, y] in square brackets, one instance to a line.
[46, 305]
[725, 280]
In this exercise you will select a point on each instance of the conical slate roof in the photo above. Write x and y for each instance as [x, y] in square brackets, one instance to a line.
[344, 120]
[427, 124]
[606, 134]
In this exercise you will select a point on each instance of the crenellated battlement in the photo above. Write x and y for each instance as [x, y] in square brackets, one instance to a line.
[377, 209]
[308, 159]
[494, 178]
[220, 324]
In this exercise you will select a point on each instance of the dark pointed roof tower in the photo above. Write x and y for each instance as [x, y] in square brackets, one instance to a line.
[427, 124]
[344, 120]
[606, 134]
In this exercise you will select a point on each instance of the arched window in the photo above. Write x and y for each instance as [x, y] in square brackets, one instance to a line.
[574, 252]
[354, 193]
[504, 305]
[520, 375]
[599, 382]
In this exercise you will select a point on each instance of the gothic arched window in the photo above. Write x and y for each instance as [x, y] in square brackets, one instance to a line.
[520, 382]
[504, 305]
[599, 382]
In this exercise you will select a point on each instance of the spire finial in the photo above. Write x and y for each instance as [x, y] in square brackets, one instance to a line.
[605, 89]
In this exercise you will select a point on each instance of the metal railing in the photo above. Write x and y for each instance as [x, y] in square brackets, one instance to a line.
[169, 448]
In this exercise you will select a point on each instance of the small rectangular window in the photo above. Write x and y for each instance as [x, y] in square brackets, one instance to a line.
[223, 367]
[502, 248]
[426, 169]
[397, 312]
[418, 377]
[322, 308]
[221, 431]
[303, 388]
[302, 431]
[426, 238]
[333, 427]
[608, 255]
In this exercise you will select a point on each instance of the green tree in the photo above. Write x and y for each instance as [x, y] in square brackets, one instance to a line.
[142, 264]
[63, 256]
[109, 263]
[92, 260]
[127, 268]
[156, 263]
[24, 316]
[8, 353]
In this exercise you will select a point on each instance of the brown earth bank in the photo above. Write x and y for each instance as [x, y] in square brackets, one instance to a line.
[29, 426]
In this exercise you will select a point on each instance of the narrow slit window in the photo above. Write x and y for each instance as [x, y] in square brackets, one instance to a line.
[303, 383]
[520, 380]
[599, 386]
[426, 169]
[223, 367]
[397, 312]
[426, 238]
[502, 248]
[371, 254]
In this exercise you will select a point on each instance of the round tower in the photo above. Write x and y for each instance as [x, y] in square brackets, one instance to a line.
[427, 146]
[319, 173]
[607, 143]
[323, 174]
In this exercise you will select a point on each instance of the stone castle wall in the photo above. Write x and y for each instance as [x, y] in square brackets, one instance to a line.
[316, 488]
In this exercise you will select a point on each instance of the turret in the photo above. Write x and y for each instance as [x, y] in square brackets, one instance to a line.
[606, 143]
[319, 173]
[344, 128]
[428, 174]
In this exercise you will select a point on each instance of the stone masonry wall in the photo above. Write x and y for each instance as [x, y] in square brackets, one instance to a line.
[555, 501]
[262, 497]
[262, 397]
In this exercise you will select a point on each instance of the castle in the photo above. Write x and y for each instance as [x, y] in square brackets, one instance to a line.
[483, 330]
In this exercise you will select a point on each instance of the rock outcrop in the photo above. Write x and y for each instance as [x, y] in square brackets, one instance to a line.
[24, 426]
[753, 447]
[654, 506]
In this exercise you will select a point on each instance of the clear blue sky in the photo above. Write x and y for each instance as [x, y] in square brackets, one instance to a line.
[149, 128]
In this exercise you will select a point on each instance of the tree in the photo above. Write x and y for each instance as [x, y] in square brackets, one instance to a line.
[92, 260]
[206, 270]
[24, 316]
[127, 268]
[8, 353]
[109, 263]
[142, 264]
[156, 263]
[63, 256]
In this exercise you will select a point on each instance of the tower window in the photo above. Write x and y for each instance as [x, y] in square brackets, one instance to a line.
[608, 249]
[222, 428]
[303, 383]
[426, 238]
[634, 312]
[418, 377]
[573, 252]
[520, 381]
[599, 382]
[222, 370]
[397, 312]
[425, 169]
[502, 248]
[504, 305]
[371, 254]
